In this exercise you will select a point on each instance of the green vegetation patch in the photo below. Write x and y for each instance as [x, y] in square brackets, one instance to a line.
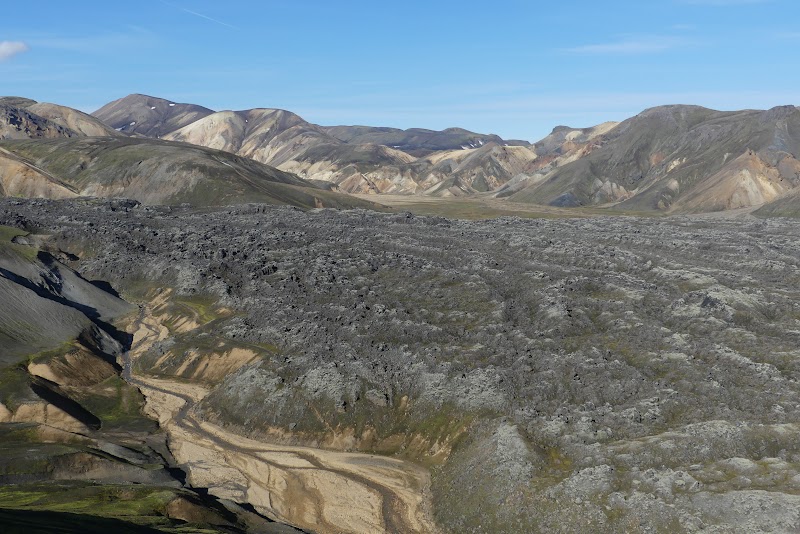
[203, 308]
[30, 521]
[118, 405]
[144, 505]
[15, 387]
[73, 506]
[7, 234]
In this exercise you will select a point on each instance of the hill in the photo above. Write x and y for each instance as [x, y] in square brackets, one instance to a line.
[22, 118]
[668, 159]
[682, 159]
[148, 116]
[415, 141]
[355, 159]
[151, 171]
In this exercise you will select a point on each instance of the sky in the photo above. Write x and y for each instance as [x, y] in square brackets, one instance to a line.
[515, 68]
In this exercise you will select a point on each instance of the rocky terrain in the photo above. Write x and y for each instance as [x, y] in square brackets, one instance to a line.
[417, 142]
[604, 374]
[76, 452]
[22, 118]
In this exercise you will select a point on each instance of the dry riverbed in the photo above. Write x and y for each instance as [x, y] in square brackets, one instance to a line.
[314, 489]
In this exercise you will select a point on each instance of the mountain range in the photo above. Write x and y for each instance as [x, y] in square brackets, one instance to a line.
[676, 158]
[682, 159]
[57, 152]
[668, 159]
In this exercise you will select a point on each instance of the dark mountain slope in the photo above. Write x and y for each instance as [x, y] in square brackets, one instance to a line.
[415, 141]
[149, 116]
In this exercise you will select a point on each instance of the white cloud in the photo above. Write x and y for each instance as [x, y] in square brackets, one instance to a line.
[9, 49]
[640, 45]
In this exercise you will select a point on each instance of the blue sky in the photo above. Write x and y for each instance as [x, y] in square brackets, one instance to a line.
[516, 68]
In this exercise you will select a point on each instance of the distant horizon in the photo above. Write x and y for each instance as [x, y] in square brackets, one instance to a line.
[515, 71]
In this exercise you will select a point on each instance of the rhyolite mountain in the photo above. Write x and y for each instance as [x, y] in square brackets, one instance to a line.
[676, 158]
[356, 159]
[682, 159]
[53, 151]
[149, 116]
[22, 118]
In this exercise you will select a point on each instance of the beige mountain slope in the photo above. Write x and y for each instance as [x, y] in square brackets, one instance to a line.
[249, 133]
[787, 205]
[747, 181]
[75, 120]
[18, 123]
[21, 178]
[22, 118]
[564, 145]
[285, 140]
[454, 173]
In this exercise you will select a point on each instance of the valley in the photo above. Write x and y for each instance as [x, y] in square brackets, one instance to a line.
[505, 375]
[300, 486]
[245, 322]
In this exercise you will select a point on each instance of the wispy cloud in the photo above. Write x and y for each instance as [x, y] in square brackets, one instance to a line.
[202, 16]
[9, 49]
[632, 45]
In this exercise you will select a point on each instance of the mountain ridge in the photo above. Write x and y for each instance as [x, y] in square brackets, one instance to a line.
[356, 159]
[151, 171]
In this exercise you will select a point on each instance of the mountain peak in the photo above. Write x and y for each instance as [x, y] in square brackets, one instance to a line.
[148, 115]
[16, 101]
